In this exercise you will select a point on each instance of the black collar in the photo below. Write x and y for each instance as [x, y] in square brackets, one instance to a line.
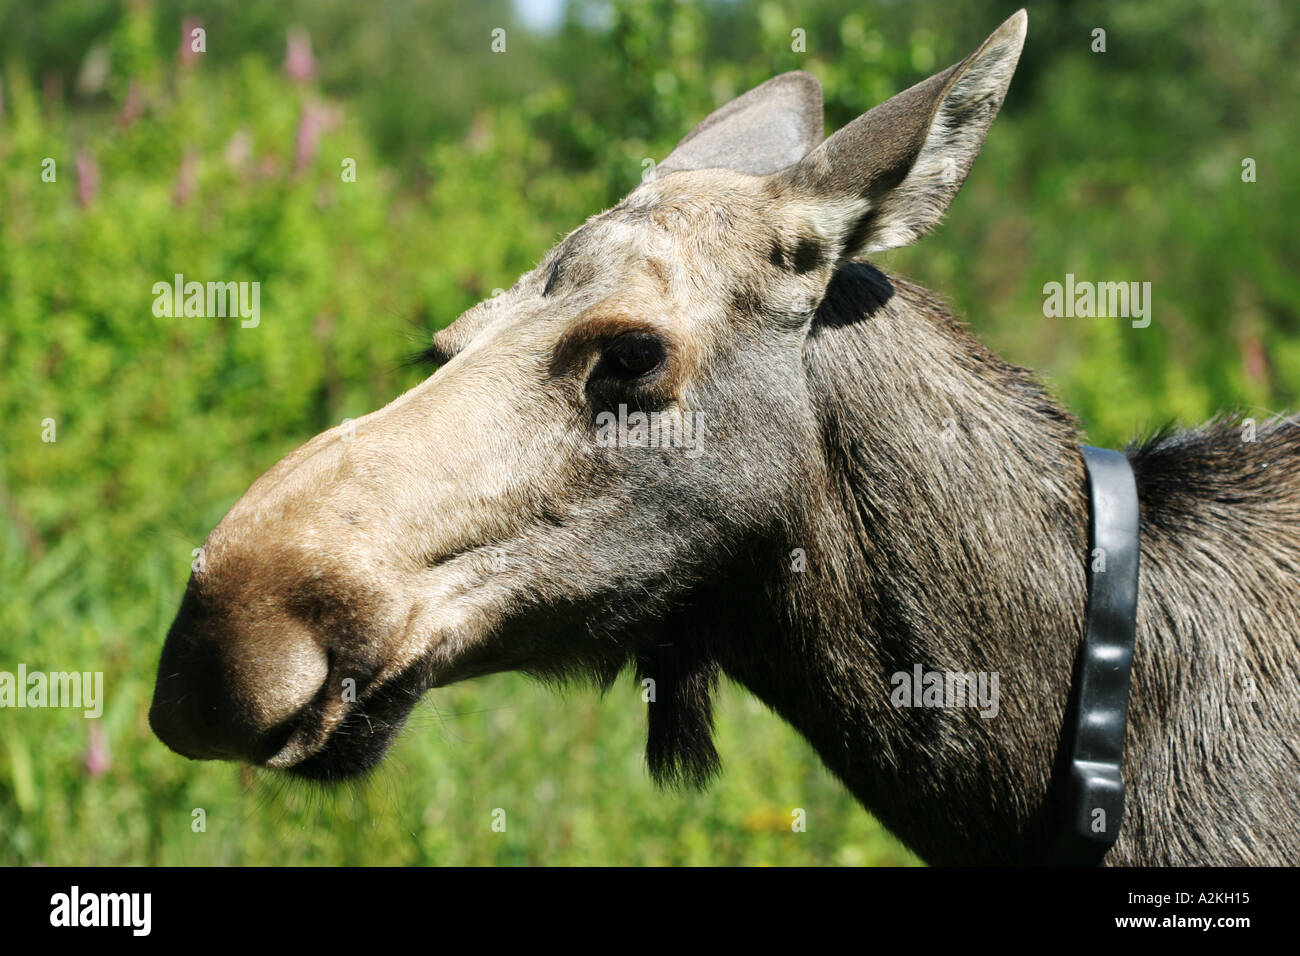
[1092, 742]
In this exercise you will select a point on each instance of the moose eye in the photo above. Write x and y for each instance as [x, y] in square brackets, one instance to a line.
[632, 355]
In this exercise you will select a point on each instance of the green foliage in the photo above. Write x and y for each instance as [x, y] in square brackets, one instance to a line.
[1117, 166]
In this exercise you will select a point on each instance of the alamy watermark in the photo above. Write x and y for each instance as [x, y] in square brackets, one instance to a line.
[132, 911]
[77, 689]
[212, 300]
[949, 689]
[1087, 300]
[666, 429]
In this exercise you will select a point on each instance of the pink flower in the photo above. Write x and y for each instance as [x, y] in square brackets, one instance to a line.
[185, 179]
[97, 761]
[87, 179]
[316, 119]
[187, 55]
[132, 107]
[299, 64]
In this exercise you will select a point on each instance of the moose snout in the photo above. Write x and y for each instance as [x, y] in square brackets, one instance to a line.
[279, 632]
[226, 692]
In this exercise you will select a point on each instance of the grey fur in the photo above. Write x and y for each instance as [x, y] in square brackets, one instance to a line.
[769, 128]
[875, 491]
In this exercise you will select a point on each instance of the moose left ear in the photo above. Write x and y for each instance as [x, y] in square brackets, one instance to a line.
[769, 128]
[885, 179]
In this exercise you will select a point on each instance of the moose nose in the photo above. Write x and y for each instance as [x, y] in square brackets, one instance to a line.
[232, 694]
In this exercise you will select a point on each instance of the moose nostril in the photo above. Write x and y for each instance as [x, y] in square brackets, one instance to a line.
[230, 693]
[201, 719]
[275, 740]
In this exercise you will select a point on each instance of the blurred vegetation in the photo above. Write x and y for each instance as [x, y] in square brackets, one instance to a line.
[1123, 165]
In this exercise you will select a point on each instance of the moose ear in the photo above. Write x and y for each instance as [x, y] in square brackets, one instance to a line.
[885, 179]
[769, 128]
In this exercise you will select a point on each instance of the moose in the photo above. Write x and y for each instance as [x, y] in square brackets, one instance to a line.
[872, 491]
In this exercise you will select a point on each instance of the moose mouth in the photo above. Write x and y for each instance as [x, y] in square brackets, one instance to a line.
[359, 741]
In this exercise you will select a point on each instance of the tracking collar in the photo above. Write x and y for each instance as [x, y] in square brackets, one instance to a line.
[1097, 712]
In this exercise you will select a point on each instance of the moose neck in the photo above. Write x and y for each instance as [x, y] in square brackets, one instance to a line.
[949, 534]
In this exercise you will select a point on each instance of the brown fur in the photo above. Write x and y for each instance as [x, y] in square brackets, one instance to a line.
[933, 494]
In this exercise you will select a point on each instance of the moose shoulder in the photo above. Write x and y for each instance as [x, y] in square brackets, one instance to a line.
[868, 492]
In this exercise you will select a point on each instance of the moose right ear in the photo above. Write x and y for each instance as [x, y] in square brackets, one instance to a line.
[769, 128]
[887, 178]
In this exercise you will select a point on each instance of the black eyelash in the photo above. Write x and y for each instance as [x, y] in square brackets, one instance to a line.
[430, 358]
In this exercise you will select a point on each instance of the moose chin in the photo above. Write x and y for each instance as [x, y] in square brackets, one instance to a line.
[868, 491]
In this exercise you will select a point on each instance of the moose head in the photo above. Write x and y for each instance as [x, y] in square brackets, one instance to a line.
[605, 458]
